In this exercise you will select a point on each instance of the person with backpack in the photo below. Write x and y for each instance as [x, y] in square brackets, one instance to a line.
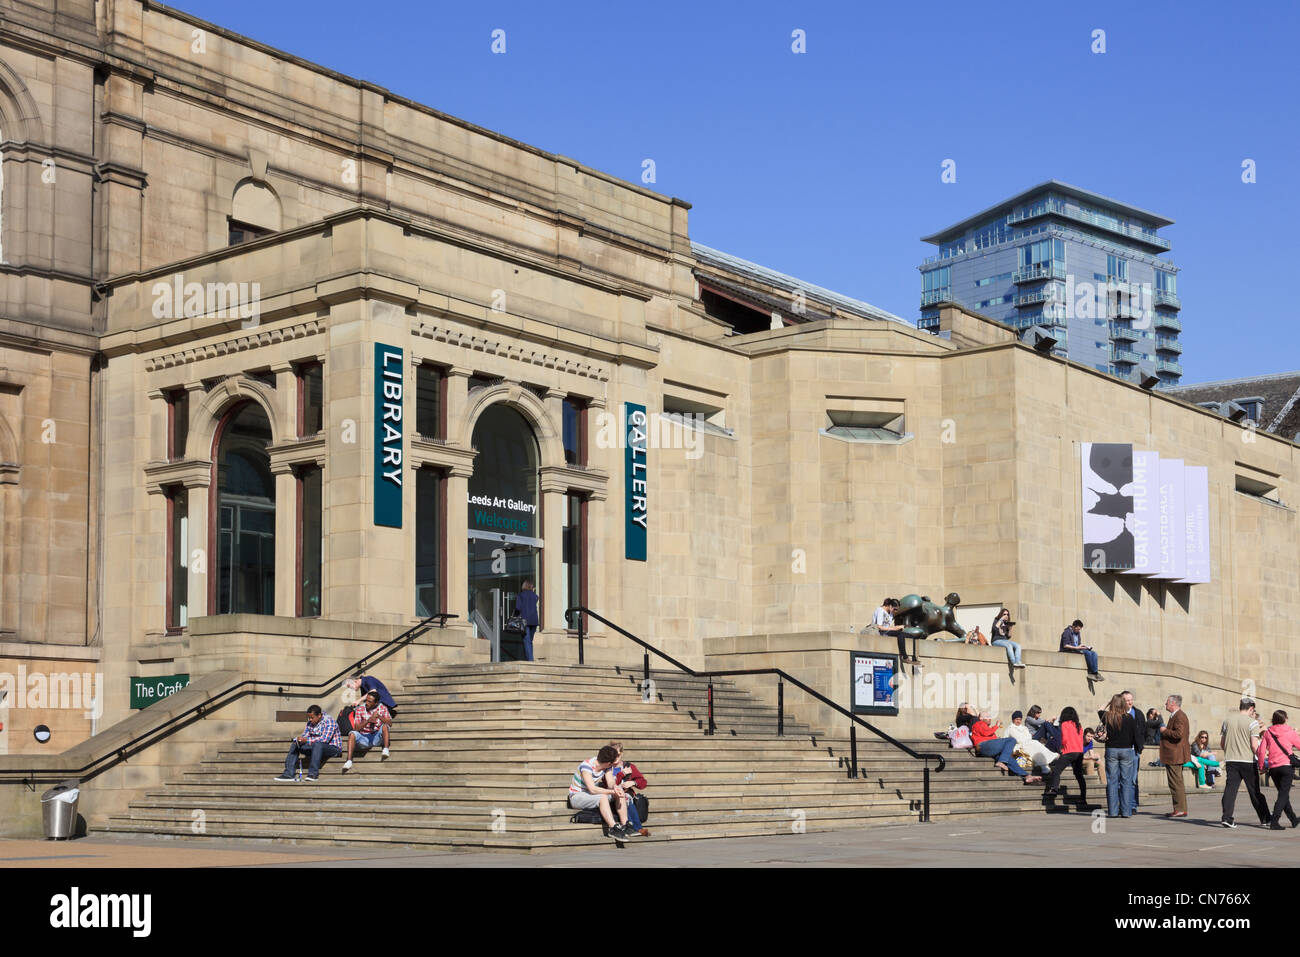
[588, 792]
[1279, 748]
[624, 772]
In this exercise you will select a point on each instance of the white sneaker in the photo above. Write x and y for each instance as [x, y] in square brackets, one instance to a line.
[383, 756]
[347, 766]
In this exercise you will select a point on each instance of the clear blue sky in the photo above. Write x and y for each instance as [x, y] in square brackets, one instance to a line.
[826, 165]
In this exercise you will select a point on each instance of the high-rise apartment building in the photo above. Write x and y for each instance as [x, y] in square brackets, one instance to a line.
[1085, 269]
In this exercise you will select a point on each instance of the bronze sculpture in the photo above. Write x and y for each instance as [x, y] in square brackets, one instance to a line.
[922, 618]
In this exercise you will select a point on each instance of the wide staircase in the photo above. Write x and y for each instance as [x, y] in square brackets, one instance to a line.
[482, 756]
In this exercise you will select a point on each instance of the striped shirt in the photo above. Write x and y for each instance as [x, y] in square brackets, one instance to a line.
[326, 729]
[578, 785]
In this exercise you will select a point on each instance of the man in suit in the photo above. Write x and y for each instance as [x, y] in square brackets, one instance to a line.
[1141, 721]
[1175, 751]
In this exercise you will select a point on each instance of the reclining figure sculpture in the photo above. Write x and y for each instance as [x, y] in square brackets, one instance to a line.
[921, 618]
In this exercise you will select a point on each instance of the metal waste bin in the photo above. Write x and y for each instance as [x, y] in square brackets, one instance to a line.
[59, 810]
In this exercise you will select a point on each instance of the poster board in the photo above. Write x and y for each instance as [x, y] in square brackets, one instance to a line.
[875, 679]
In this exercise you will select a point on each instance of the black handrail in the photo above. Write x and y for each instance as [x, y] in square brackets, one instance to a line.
[251, 686]
[782, 677]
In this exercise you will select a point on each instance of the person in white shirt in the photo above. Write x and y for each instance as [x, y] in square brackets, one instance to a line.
[1037, 751]
[883, 619]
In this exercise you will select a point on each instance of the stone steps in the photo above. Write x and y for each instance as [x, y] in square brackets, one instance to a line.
[482, 756]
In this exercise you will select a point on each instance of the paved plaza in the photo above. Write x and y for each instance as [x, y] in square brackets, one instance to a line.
[1020, 840]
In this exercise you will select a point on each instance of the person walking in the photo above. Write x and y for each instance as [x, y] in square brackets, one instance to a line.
[1000, 635]
[1239, 742]
[1071, 755]
[1121, 759]
[526, 608]
[1277, 746]
[1175, 751]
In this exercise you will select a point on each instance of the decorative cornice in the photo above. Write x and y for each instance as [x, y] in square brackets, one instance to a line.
[565, 478]
[305, 451]
[456, 459]
[9, 473]
[191, 473]
[506, 348]
[262, 336]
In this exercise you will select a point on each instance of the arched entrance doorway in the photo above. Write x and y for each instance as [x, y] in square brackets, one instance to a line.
[505, 536]
[244, 513]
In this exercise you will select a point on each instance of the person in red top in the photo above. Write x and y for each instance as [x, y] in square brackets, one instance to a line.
[626, 775]
[1276, 745]
[984, 735]
[1071, 755]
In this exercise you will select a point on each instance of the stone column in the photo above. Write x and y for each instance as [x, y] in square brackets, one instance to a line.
[201, 564]
[286, 497]
[456, 599]
[554, 505]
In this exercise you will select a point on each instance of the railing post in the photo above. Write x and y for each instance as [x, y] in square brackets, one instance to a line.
[780, 707]
[711, 725]
[925, 794]
[582, 628]
[853, 750]
[645, 674]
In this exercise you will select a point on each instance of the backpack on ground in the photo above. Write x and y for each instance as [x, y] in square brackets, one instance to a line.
[589, 815]
[642, 804]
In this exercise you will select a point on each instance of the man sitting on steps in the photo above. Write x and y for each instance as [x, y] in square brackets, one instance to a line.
[585, 792]
[371, 722]
[320, 740]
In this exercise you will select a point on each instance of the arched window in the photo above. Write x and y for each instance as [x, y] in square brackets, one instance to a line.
[254, 212]
[245, 515]
[505, 528]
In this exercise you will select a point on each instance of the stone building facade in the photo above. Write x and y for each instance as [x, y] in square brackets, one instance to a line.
[225, 268]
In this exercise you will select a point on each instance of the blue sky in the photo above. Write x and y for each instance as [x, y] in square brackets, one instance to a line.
[827, 164]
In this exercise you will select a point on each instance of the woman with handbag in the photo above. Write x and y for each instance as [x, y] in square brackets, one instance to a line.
[526, 608]
[1279, 752]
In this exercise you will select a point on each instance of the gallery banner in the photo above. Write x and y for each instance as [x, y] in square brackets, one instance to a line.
[1144, 515]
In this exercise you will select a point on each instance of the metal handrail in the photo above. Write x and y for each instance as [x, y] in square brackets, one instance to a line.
[782, 677]
[251, 686]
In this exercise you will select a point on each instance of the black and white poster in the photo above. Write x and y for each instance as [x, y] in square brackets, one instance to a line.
[1107, 469]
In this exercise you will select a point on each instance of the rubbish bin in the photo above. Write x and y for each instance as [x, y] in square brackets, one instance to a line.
[59, 810]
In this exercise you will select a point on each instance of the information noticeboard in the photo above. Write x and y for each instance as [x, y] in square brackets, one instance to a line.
[875, 683]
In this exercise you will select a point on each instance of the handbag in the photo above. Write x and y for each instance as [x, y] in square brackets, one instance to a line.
[1293, 757]
[515, 623]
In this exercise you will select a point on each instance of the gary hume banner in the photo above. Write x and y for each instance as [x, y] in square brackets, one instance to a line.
[1144, 515]
[1173, 522]
[1107, 470]
[1197, 512]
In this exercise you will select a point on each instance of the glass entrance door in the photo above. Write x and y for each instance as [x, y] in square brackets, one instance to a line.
[497, 572]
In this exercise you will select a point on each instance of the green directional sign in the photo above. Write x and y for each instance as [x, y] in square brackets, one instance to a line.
[147, 691]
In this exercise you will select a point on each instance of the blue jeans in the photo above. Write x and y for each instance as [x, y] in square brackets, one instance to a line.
[1000, 749]
[318, 751]
[1121, 782]
[528, 642]
[1013, 649]
[1090, 657]
[633, 819]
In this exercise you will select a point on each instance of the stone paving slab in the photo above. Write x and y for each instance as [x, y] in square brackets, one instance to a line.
[1020, 840]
